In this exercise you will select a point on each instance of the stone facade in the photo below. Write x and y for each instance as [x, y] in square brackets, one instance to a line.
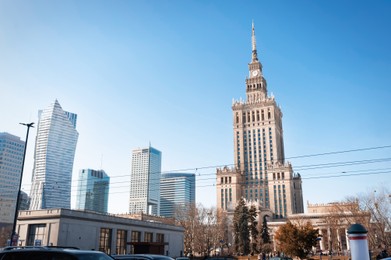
[261, 174]
[90, 230]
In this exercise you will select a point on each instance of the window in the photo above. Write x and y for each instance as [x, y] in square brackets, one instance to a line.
[121, 241]
[135, 237]
[105, 240]
[36, 232]
[160, 238]
[148, 236]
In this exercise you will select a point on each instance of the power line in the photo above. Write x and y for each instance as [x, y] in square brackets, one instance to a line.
[301, 168]
[201, 176]
[321, 176]
[340, 152]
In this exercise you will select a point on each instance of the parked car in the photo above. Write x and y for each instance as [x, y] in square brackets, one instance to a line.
[48, 253]
[182, 258]
[141, 257]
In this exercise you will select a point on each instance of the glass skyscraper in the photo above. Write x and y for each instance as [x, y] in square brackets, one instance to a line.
[93, 190]
[55, 147]
[176, 189]
[145, 181]
[11, 159]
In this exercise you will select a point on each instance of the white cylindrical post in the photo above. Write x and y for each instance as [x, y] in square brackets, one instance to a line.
[358, 242]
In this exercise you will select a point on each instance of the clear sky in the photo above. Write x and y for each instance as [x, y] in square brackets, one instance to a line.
[165, 73]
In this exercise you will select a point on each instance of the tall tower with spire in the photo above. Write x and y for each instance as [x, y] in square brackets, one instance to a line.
[261, 174]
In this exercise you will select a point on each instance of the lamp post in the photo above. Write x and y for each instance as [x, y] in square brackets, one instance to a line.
[13, 238]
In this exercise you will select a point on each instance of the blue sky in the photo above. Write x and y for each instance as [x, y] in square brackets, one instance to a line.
[165, 73]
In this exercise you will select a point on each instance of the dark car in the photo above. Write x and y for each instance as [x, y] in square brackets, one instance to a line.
[45, 253]
[142, 257]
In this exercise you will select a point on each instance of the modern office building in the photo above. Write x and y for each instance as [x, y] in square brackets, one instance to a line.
[11, 159]
[145, 181]
[24, 201]
[176, 189]
[93, 190]
[55, 147]
[261, 174]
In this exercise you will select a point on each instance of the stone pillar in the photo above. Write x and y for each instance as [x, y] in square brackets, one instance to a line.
[347, 240]
[339, 244]
[321, 241]
[358, 242]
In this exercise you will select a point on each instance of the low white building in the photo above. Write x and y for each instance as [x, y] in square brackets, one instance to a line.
[90, 230]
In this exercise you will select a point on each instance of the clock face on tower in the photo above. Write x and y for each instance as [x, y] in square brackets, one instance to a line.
[255, 73]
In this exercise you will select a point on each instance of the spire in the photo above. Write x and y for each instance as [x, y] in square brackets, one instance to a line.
[254, 45]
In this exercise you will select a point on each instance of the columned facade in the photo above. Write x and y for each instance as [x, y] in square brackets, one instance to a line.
[332, 220]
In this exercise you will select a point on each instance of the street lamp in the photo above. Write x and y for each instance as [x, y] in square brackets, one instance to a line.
[13, 231]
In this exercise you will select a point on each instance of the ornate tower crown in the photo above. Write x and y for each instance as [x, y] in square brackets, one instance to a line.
[256, 89]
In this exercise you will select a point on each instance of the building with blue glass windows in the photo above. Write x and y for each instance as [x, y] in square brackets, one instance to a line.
[93, 190]
[176, 189]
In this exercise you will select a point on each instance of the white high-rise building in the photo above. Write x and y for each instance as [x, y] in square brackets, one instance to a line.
[11, 159]
[145, 181]
[55, 147]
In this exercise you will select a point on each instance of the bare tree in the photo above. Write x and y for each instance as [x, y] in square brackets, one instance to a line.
[378, 203]
[372, 209]
[187, 217]
[223, 229]
[202, 231]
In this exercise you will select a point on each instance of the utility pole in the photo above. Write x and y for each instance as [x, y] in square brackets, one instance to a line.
[14, 239]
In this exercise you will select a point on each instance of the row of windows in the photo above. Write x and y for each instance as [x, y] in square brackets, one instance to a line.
[227, 180]
[280, 200]
[253, 116]
[279, 176]
[121, 238]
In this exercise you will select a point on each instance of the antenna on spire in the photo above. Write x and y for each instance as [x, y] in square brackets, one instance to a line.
[254, 44]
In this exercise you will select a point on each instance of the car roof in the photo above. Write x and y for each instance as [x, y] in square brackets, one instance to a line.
[143, 256]
[70, 251]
